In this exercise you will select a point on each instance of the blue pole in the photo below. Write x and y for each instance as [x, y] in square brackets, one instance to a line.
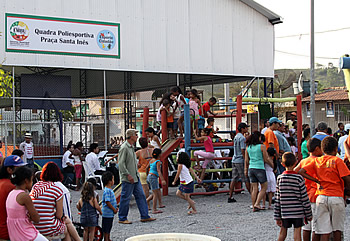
[187, 124]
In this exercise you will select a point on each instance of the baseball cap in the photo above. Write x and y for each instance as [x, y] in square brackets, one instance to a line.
[13, 160]
[274, 120]
[347, 127]
[294, 113]
[28, 135]
[242, 125]
[130, 132]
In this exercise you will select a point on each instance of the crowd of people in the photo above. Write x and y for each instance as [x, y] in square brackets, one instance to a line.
[308, 195]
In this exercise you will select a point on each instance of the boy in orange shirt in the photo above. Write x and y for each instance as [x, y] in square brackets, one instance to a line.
[314, 148]
[331, 173]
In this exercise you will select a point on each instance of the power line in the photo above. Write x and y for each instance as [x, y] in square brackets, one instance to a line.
[325, 31]
[303, 55]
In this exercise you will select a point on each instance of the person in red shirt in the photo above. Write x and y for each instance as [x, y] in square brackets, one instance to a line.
[7, 169]
[314, 148]
[206, 108]
[331, 175]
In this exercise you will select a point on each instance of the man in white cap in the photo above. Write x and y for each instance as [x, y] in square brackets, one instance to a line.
[28, 149]
[129, 177]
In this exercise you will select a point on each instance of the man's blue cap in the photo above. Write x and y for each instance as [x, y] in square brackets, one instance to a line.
[274, 120]
[14, 161]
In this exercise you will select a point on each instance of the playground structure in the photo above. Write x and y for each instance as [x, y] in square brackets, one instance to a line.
[171, 145]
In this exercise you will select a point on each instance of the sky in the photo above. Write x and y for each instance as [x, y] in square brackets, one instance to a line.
[292, 52]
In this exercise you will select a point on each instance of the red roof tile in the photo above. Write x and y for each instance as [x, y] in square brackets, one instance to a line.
[334, 95]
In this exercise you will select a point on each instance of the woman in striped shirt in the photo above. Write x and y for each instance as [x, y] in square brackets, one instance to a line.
[47, 197]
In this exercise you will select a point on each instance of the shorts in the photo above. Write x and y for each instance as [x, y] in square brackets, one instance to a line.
[311, 224]
[170, 125]
[238, 172]
[329, 214]
[257, 175]
[194, 117]
[107, 224]
[153, 182]
[187, 188]
[296, 222]
[143, 178]
[78, 169]
[175, 125]
[271, 181]
[201, 122]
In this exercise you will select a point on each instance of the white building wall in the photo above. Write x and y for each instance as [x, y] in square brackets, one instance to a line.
[222, 37]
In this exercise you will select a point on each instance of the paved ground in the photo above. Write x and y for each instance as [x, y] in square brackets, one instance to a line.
[216, 217]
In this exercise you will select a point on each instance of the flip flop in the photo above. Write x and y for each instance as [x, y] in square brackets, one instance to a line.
[158, 211]
[256, 209]
[162, 206]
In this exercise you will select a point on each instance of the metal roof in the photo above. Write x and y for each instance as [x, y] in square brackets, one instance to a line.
[273, 17]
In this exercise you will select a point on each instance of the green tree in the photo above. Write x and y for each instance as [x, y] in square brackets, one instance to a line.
[6, 83]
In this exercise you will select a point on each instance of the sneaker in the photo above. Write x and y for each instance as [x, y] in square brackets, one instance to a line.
[231, 200]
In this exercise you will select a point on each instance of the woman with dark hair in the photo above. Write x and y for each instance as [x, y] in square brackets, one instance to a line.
[255, 158]
[144, 155]
[153, 138]
[48, 199]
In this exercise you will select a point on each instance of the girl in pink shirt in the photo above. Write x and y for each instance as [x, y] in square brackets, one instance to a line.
[208, 154]
[20, 209]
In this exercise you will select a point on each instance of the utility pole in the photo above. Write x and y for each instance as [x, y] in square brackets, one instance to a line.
[312, 69]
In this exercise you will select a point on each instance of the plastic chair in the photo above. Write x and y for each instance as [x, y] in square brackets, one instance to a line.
[89, 173]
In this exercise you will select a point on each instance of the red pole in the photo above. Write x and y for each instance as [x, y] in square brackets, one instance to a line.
[300, 125]
[239, 111]
[165, 158]
[145, 121]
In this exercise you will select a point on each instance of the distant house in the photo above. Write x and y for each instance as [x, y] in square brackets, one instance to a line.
[332, 107]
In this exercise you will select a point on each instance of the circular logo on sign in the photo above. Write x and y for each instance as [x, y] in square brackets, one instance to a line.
[19, 31]
[106, 40]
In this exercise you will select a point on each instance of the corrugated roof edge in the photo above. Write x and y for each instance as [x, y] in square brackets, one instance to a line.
[273, 17]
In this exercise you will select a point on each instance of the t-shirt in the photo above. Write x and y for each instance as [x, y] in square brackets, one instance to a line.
[185, 176]
[206, 108]
[291, 200]
[66, 200]
[28, 150]
[93, 162]
[66, 159]
[304, 150]
[270, 137]
[311, 187]
[290, 124]
[5, 188]
[238, 145]
[329, 171]
[108, 196]
[341, 146]
[320, 135]
[44, 196]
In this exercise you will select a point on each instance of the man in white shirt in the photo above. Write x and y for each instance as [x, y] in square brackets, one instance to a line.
[68, 164]
[342, 140]
[92, 160]
[28, 149]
